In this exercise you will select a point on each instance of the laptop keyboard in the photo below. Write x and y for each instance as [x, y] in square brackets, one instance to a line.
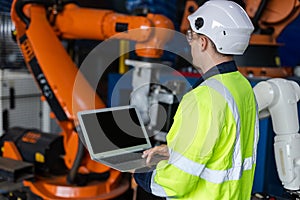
[123, 158]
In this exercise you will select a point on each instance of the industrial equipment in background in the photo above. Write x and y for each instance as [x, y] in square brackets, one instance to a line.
[42, 27]
[156, 102]
[278, 99]
[20, 103]
[10, 54]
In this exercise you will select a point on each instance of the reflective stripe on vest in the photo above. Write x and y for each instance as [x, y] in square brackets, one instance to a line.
[155, 188]
[216, 176]
[256, 134]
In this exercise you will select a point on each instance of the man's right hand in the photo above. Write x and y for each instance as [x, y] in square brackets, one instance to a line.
[161, 150]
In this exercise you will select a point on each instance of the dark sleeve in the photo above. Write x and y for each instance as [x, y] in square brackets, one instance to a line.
[143, 180]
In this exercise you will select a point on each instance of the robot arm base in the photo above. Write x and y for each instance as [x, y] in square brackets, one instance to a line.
[287, 156]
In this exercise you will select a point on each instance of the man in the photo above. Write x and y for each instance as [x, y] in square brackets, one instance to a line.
[212, 142]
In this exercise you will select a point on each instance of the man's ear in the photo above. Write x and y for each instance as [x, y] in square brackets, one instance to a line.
[203, 42]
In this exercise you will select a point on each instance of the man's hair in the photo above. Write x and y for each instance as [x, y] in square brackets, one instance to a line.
[215, 48]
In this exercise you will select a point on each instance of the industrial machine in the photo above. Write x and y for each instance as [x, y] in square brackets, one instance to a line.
[42, 26]
[278, 98]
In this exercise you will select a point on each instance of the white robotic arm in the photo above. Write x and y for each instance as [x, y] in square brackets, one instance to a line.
[278, 98]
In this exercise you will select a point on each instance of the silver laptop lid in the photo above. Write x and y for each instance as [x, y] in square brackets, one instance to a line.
[113, 131]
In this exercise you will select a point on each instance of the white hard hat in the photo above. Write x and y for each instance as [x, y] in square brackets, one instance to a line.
[226, 23]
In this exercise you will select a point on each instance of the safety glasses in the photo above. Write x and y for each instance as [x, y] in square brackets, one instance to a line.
[190, 35]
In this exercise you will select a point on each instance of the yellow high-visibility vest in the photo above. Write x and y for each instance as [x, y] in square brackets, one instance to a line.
[212, 143]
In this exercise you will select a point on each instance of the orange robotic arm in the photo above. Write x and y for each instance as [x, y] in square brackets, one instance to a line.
[147, 31]
[272, 16]
[40, 25]
[38, 33]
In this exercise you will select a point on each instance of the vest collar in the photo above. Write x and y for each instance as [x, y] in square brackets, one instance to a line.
[222, 68]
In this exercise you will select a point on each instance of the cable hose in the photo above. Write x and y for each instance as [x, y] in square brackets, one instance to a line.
[71, 178]
[82, 179]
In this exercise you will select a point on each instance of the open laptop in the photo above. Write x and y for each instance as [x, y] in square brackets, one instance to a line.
[116, 137]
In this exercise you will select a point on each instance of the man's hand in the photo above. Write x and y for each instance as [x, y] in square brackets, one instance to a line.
[161, 150]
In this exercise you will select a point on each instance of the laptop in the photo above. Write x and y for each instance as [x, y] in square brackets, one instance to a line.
[116, 137]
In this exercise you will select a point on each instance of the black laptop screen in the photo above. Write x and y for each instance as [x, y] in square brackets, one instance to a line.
[113, 129]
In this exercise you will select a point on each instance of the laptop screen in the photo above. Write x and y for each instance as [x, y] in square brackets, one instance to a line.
[112, 129]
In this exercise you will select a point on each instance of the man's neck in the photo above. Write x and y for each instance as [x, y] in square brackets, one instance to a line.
[216, 61]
